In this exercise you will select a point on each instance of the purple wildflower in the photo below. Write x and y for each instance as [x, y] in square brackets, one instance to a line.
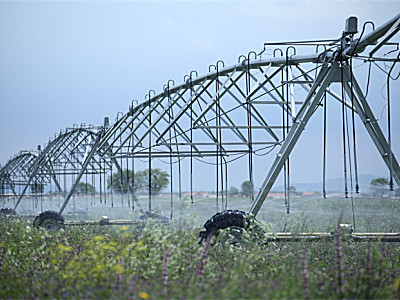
[306, 277]
[200, 269]
[338, 258]
[165, 271]
[368, 273]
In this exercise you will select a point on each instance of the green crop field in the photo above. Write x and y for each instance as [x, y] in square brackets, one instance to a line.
[154, 261]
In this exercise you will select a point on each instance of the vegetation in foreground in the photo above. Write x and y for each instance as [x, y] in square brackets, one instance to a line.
[155, 262]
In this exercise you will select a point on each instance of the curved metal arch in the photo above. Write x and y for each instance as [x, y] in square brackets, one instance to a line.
[72, 152]
[140, 113]
[200, 98]
[69, 150]
[18, 162]
[15, 173]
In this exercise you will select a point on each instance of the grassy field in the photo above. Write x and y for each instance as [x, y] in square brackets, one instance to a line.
[157, 262]
[120, 262]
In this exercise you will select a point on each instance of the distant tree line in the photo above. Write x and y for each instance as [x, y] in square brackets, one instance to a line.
[37, 188]
[138, 181]
[245, 190]
[380, 185]
[83, 188]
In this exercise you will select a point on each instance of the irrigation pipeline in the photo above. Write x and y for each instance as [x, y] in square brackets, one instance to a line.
[315, 237]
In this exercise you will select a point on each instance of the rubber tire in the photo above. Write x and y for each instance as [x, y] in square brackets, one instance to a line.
[8, 211]
[223, 220]
[50, 220]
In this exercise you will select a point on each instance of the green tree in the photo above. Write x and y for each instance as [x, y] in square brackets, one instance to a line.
[37, 188]
[293, 190]
[247, 191]
[233, 192]
[84, 188]
[116, 182]
[379, 185]
[138, 182]
[159, 180]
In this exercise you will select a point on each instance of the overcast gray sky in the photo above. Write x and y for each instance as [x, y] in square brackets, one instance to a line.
[66, 62]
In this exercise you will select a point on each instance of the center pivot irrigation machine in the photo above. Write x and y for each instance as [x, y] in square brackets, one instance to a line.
[233, 112]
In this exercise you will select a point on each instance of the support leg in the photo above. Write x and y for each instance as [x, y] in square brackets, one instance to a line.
[82, 171]
[310, 104]
[373, 128]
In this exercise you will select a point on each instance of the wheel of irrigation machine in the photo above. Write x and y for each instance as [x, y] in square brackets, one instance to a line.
[8, 211]
[236, 222]
[50, 220]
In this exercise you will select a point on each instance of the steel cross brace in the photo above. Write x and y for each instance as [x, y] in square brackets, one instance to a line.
[162, 116]
[323, 80]
[86, 162]
[111, 131]
[218, 94]
[224, 115]
[254, 113]
[183, 110]
[11, 185]
[258, 119]
[182, 132]
[171, 101]
[49, 154]
[37, 164]
[361, 107]
[306, 75]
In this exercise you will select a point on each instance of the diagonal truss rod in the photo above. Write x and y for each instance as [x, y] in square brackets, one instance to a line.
[206, 131]
[310, 104]
[328, 90]
[360, 106]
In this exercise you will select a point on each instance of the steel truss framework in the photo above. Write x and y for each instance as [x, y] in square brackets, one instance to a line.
[15, 175]
[249, 108]
[66, 158]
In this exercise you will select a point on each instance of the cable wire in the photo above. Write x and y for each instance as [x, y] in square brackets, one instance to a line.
[389, 127]
[344, 134]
